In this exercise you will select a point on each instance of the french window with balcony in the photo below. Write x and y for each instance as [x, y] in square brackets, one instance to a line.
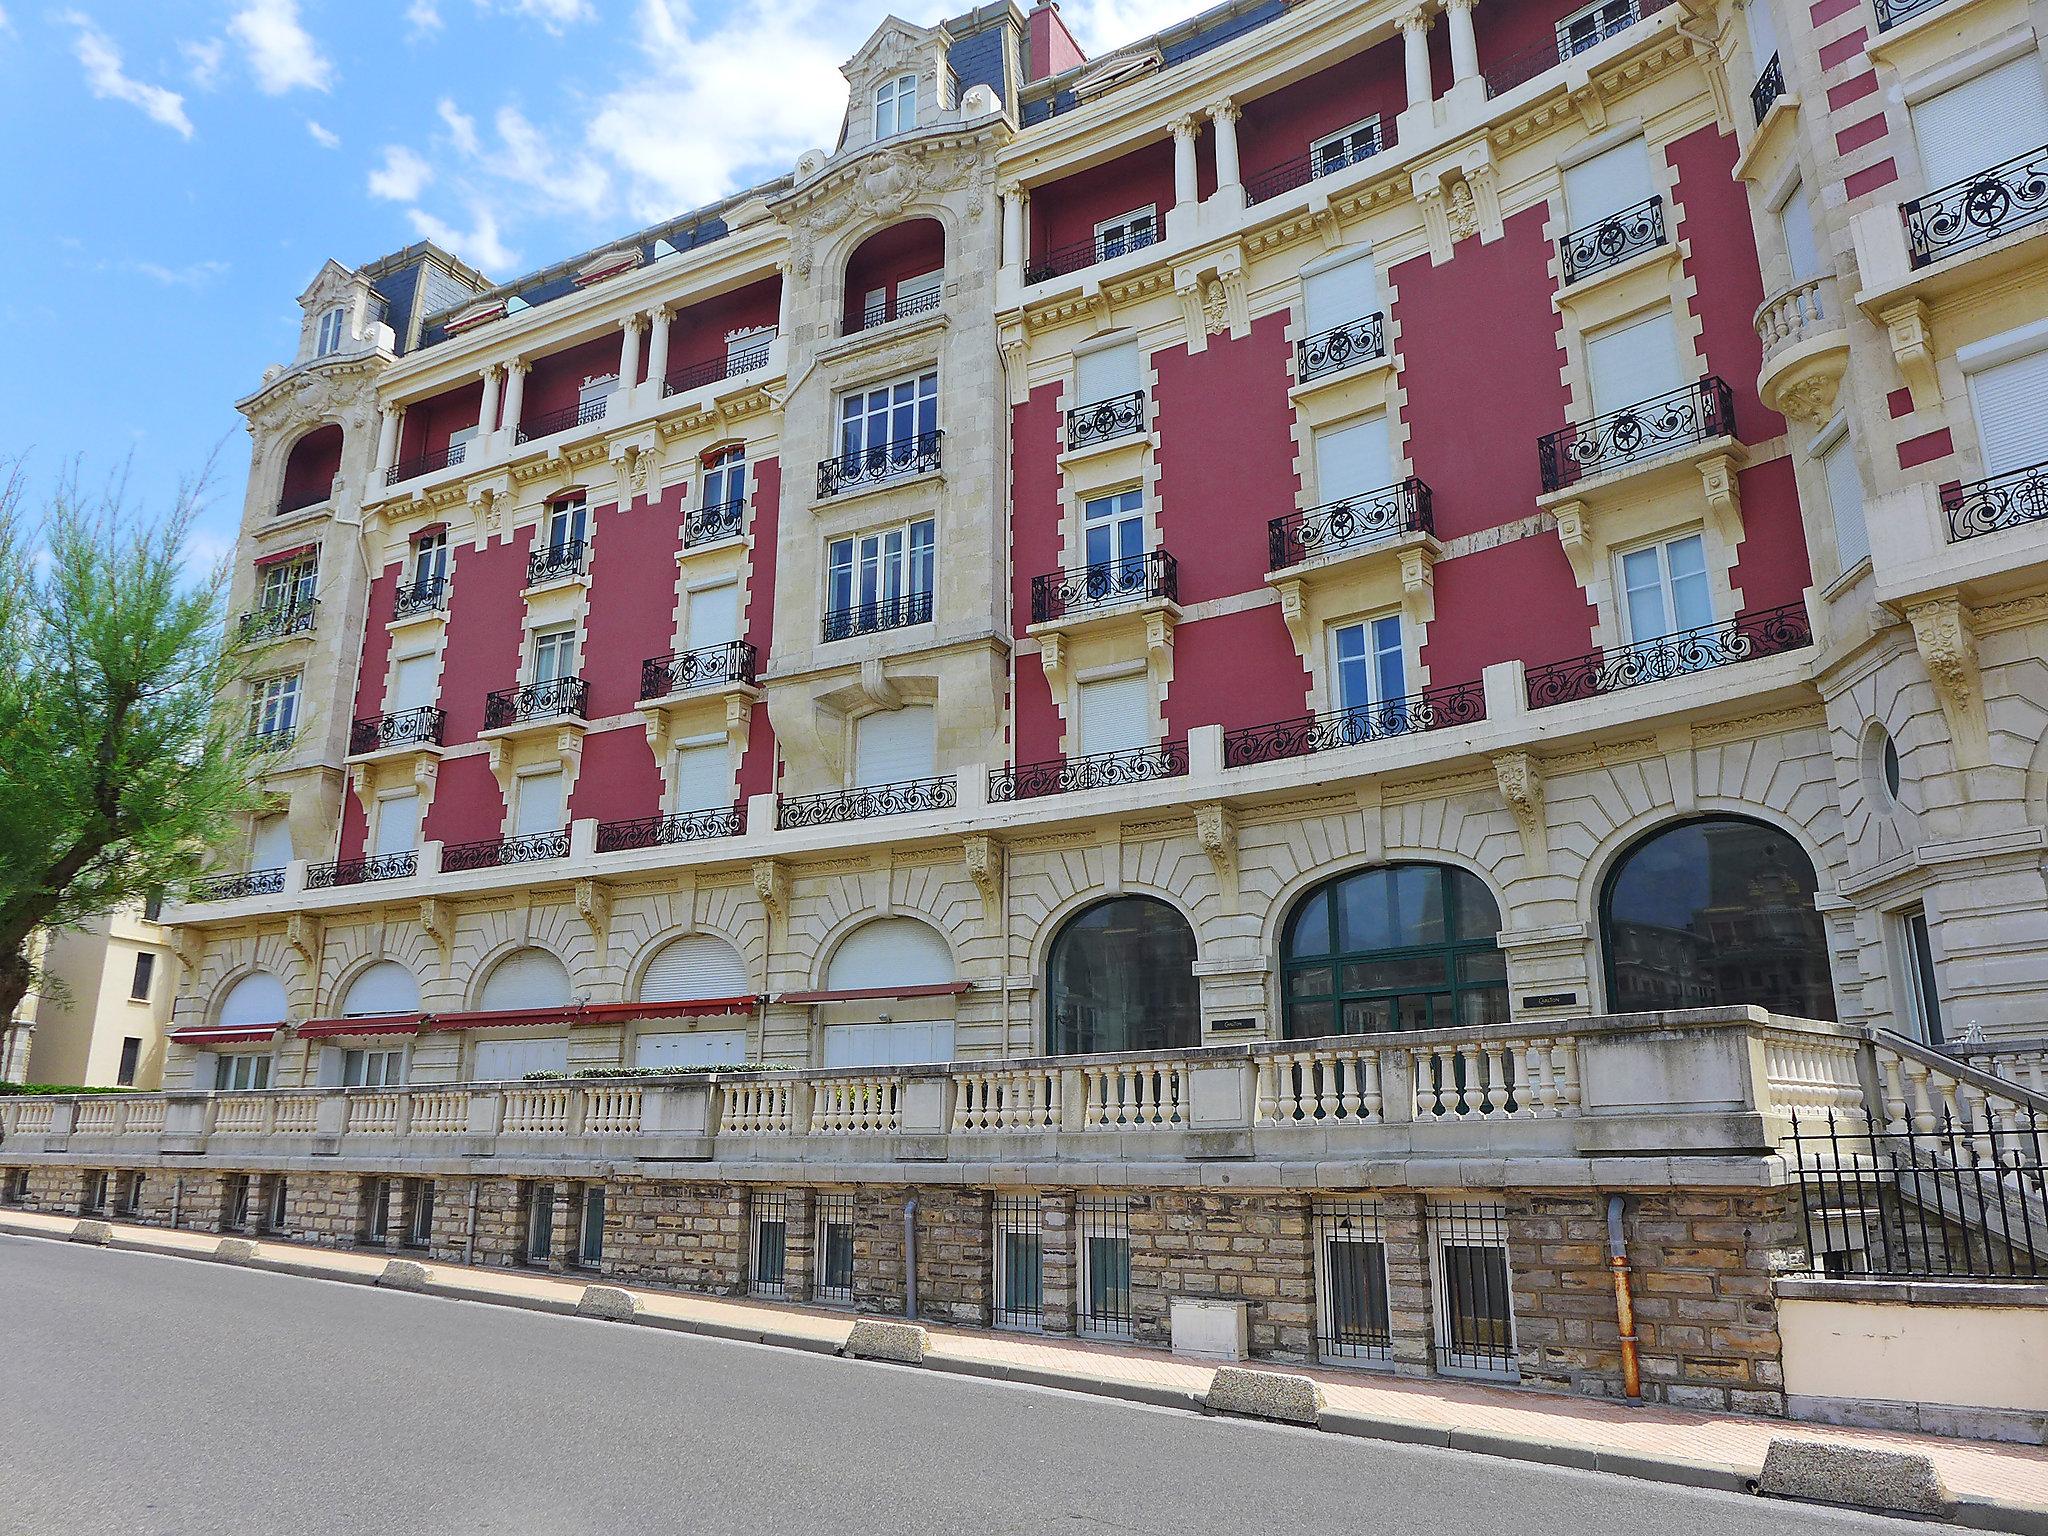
[288, 585]
[722, 509]
[1348, 146]
[1341, 314]
[1368, 663]
[1353, 458]
[896, 106]
[879, 580]
[1113, 539]
[274, 709]
[1664, 586]
[702, 775]
[1116, 713]
[430, 559]
[593, 398]
[561, 547]
[554, 655]
[538, 803]
[1633, 363]
[1983, 121]
[1612, 209]
[398, 824]
[1594, 24]
[1795, 228]
[2008, 381]
[1127, 232]
[270, 843]
[886, 420]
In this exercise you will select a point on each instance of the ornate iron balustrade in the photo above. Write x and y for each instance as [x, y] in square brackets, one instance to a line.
[277, 740]
[548, 423]
[1058, 593]
[554, 560]
[1770, 85]
[719, 369]
[721, 520]
[277, 621]
[1613, 240]
[885, 613]
[1385, 513]
[1303, 169]
[257, 882]
[1356, 341]
[922, 302]
[1526, 64]
[1086, 253]
[1429, 711]
[1698, 413]
[556, 698]
[534, 848]
[1971, 212]
[427, 595]
[660, 831]
[905, 798]
[1749, 637]
[1119, 416]
[425, 463]
[885, 461]
[1099, 770]
[1891, 12]
[2003, 501]
[680, 671]
[382, 866]
[404, 728]
[298, 501]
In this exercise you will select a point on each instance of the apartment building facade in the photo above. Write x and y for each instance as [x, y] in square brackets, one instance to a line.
[101, 1017]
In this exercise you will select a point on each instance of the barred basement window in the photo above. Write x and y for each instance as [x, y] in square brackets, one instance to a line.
[374, 1220]
[540, 1222]
[1105, 1265]
[770, 1270]
[128, 1201]
[590, 1227]
[273, 1210]
[1475, 1329]
[835, 1249]
[235, 1213]
[92, 1201]
[15, 1189]
[1352, 1318]
[419, 1212]
[1020, 1263]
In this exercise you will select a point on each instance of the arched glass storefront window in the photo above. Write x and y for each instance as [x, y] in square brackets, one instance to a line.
[1712, 912]
[1410, 946]
[1122, 978]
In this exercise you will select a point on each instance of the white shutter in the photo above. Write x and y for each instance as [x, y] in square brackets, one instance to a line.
[386, 987]
[692, 968]
[1845, 499]
[540, 803]
[412, 683]
[1795, 220]
[526, 978]
[887, 1045]
[890, 952]
[1633, 363]
[499, 1061]
[257, 998]
[703, 778]
[398, 824]
[894, 745]
[1609, 182]
[701, 1048]
[271, 846]
[916, 287]
[2012, 412]
[1352, 459]
[1116, 714]
[1986, 120]
[1106, 373]
[714, 616]
[1763, 32]
[1339, 295]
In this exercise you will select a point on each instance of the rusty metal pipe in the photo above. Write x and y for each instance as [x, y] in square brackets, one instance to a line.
[1624, 1302]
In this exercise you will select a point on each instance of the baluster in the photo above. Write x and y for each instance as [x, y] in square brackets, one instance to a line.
[1324, 1104]
[1267, 1099]
[1350, 1068]
[1497, 1081]
[1894, 1092]
[1372, 1102]
[1565, 1058]
[1147, 1091]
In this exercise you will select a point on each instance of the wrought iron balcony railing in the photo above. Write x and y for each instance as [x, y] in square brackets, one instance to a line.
[1057, 594]
[420, 727]
[552, 561]
[1767, 632]
[920, 303]
[257, 882]
[1698, 413]
[906, 798]
[721, 520]
[382, 866]
[548, 423]
[1304, 734]
[660, 831]
[1099, 770]
[1330, 351]
[884, 613]
[2003, 501]
[1526, 64]
[557, 698]
[1770, 85]
[298, 501]
[427, 595]
[1086, 253]
[277, 621]
[1891, 12]
[499, 851]
[276, 739]
[1105, 419]
[425, 463]
[705, 667]
[1338, 525]
[1613, 240]
[1303, 169]
[1979, 209]
[697, 375]
[885, 461]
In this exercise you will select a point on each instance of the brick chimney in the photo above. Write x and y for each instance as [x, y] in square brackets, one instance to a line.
[1049, 47]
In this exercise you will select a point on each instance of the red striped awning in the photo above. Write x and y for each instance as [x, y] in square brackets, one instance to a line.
[224, 1034]
[279, 557]
[862, 994]
[587, 1013]
[377, 1024]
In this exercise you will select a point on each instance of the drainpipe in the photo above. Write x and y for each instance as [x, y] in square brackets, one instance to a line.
[910, 1258]
[469, 1234]
[177, 1201]
[1624, 1302]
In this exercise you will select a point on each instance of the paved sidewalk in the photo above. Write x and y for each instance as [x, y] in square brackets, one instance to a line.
[1668, 1444]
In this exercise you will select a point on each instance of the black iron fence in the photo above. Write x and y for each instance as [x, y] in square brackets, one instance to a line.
[900, 307]
[1019, 1300]
[883, 613]
[1086, 253]
[1298, 737]
[257, 882]
[427, 595]
[553, 560]
[298, 501]
[277, 620]
[1098, 770]
[697, 375]
[548, 423]
[1303, 169]
[884, 461]
[383, 866]
[1891, 12]
[557, 698]
[497, 852]
[1980, 208]
[1102, 420]
[404, 728]
[2003, 501]
[707, 666]
[1105, 1231]
[1698, 413]
[661, 831]
[1056, 594]
[832, 1279]
[425, 463]
[1338, 525]
[1331, 351]
[904, 798]
[721, 520]
[1770, 85]
[1613, 240]
[1353, 1318]
[1765, 632]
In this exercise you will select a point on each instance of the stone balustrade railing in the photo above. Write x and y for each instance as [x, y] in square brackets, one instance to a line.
[1923, 1090]
[1803, 310]
[2023, 1063]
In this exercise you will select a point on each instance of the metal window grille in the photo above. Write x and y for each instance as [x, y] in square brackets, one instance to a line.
[1352, 1317]
[419, 1223]
[835, 1249]
[590, 1227]
[768, 1275]
[540, 1223]
[1020, 1263]
[129, 1201]
[1475, 1329]
[375, 1224]
[93, 1199]
[1105, 1225]
[274, 1211]
[236, 1217]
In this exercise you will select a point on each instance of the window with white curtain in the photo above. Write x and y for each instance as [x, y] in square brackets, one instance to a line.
[1983, 121]
[703, 776]
[714, 616]
[1116, 713]
[1352, 459]
[539, 807]
[1339, 293]
[398, 823]
[1368, 662]
[1603, 185]
[2010, 399]
[1107, 373]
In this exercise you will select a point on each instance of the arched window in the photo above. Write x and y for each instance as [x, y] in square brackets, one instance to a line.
[257, 998]
[1121, 977]
[1410, 946]
[890, 952]
[310, 468]
[526, 978]
[386, 987]
[1712, 912]
[896, 272]
[693, 969]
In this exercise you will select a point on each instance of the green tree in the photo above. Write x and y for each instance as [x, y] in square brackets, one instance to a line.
[119, 763]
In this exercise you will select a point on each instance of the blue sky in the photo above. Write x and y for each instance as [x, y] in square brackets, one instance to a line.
[177, 170]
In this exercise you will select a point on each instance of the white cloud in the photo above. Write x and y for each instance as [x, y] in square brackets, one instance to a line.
[202, 62]
[324, 136]
[195, 275]
[552, 14]
[402, 177]
[461, 128]
[6, 26]
[480, 245]
[422, 17]
[281, 51]
[526, 158]
[109, 81]
[1102, 25]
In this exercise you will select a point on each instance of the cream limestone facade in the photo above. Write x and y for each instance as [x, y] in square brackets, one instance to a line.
[101, 1018]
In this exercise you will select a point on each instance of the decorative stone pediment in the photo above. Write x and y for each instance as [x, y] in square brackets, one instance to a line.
[613, 263]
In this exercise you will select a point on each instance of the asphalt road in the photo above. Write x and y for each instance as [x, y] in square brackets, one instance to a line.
[147, 1394]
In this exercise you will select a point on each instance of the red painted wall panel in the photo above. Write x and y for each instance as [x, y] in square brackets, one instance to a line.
[1279, 127]
[1729, 284]
[1771, 567]
[467, 807]
[556, 381]
[1234, 670]
[486, 628]
[757, 767]
[1066, 212]
[1035, 549]
[632, 596]
[619, 779]
[310, 469]
[431, 422]
[697, 334]
[370, 692]
[1516, 600]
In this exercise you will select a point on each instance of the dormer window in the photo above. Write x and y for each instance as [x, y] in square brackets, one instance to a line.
[333, 331]
[896, 106]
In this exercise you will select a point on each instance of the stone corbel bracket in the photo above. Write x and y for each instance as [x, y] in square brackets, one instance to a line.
[437, 922]
[1460, 196]
[1906, 327]
[1052, 657]
[1215, 297]
[594, 906]
[1520, 778]
[302, 933]
[1216, 832]
[1723, 496]
[1948, 647]
[771, 886]
[983, 856]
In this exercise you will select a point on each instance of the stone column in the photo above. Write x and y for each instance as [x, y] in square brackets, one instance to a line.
[1184, 131]
[515, 395]
[1014, 199]
[387, 436]
[562, 1246]
[1404, 1226]
[657, 349]
[785, 299]
[487, 417]
[1464, 43]
[799, 1242]
[629, 352]
[1060, 1260]
[1229, 178]
[1415, 54]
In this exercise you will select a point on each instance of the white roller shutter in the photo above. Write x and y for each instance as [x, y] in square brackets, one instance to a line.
[257, 998]
[890, 952]
[271, 845]
[887, 1045]
[1106, 373]
[1116, 714]
[1982, 122]
[700, 1048]
[692, 968]
[1609, 182]
[703, 777]
[714, 615]
[895, 745]
[526, 978]
[412, 683]
[1763, 32]
[2012, 412]
[1353, 459]
[1795, 221]
[386, 987]
[1340, 294]
[398, 823]
[1845, 500]
[499, 1061]
[1633, 363]
[540, 803]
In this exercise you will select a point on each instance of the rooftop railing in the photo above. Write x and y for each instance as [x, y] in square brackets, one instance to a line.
[1086, 253]
[1767, 632]
[719, 369]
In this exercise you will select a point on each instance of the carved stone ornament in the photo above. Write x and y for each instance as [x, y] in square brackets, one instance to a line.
[1947, 646]
[302, 933]
[983, 856]
[771, 886]
[1216, 831]
[1521, 786]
